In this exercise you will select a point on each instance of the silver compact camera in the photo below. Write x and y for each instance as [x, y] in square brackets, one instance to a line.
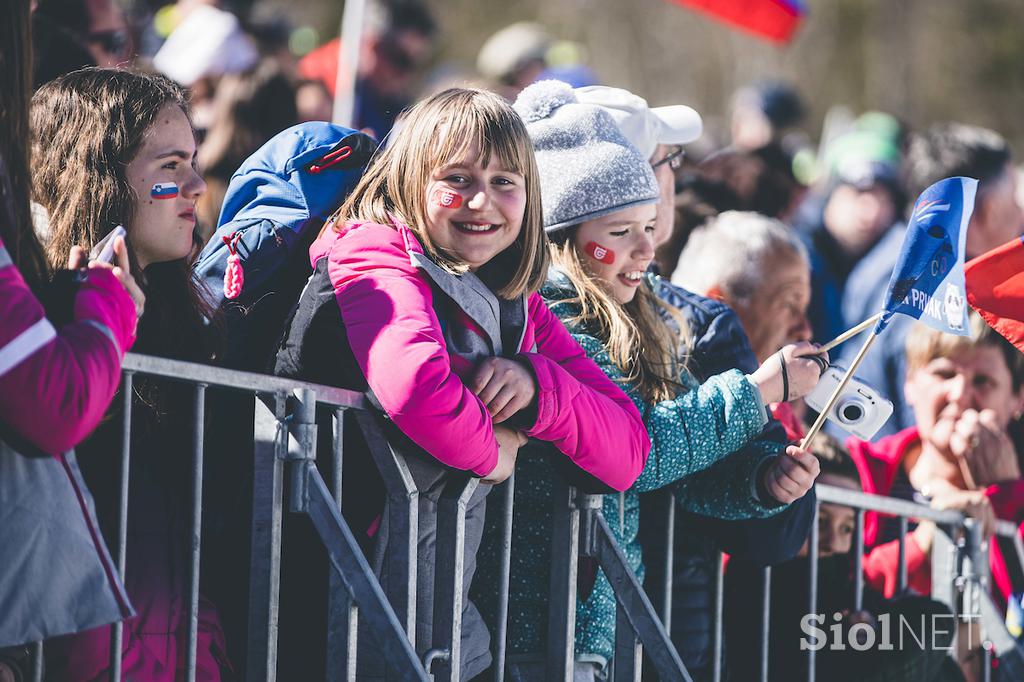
[860, 409]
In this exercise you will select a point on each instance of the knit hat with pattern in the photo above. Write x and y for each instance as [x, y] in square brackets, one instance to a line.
[587, 168]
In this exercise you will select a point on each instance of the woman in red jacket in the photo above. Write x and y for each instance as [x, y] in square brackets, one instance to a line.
[967, 394]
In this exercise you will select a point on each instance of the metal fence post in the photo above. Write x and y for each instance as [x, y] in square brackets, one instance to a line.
[565, 533]
[342, 612]
[450, 561]
[402, 512]
[270, 449]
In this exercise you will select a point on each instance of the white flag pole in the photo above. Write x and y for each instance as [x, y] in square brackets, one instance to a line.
[813, 431]
[850, 333]
[352, 21]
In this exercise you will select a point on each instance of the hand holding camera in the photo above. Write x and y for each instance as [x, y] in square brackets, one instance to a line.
[860, 409]
[791, 373]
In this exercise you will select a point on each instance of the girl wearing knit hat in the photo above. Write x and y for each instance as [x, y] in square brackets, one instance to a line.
[424, 293]
[599, 196]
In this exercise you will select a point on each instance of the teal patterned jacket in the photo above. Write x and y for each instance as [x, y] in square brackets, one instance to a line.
[691, 438]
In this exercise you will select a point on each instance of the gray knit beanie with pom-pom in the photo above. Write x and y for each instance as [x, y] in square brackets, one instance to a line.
[587, 168]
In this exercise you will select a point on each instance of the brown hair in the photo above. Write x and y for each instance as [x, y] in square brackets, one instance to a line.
[87, 126]
[15, 86]
[649, 352]
[435, 131]
[925, 344]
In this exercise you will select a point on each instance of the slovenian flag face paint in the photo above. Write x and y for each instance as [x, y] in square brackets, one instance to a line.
[164, 190]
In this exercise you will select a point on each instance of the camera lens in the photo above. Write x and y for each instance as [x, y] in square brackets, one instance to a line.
[851, 412]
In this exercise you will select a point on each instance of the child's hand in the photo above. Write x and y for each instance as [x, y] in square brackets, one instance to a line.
[509, 442]
[504, 386]
[791, 373]
[791, 475]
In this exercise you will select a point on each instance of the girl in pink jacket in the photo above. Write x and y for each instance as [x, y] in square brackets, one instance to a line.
[427, 277]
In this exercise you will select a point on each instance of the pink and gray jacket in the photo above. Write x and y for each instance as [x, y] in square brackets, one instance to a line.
[55, 385]
[398, 308]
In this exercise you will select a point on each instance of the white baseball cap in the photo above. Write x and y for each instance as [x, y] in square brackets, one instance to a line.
[645, 127]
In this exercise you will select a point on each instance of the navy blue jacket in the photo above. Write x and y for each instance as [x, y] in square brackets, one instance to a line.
[719, 344]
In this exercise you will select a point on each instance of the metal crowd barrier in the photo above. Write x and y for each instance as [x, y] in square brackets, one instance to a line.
[285, 447]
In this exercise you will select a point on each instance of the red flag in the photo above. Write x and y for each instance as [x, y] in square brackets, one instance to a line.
[995, 288]
[772, 19]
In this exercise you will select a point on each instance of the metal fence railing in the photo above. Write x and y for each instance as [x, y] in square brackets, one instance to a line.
[285, 441]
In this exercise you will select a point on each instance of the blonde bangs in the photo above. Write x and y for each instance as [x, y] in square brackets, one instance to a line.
[435, 132]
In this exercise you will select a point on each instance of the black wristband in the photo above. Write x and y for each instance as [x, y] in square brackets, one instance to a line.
[785, 379]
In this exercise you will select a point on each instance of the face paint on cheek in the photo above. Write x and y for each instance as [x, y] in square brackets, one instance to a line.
[600, 253]
[445, 198]
[164, 190]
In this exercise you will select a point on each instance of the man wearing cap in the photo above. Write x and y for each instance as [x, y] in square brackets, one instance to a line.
[862, 202]
[718, 344]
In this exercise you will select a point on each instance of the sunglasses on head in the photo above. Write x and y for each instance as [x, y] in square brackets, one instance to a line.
[112, 42]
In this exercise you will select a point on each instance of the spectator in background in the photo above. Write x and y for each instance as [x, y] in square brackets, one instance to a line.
[761, 181]
[759, 268]
[862, 201]
[944, 150]
[514, 57]
[248, 109]
[206, 43]
[71, 34]
[763, 113]
[397, 41]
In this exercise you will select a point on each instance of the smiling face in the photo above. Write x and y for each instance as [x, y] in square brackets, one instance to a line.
[617, 248]
[161, 229]
[974, 378]
[474, 212]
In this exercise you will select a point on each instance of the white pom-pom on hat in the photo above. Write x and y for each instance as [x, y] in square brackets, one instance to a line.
[540, 99]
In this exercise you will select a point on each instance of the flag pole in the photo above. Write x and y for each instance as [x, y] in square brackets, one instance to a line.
[813, 431]
[850, 333]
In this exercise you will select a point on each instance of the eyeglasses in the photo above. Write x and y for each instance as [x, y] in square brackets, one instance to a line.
[674, 159]
[113, 42]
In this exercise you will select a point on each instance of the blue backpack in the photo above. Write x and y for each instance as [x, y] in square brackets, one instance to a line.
[257, 261]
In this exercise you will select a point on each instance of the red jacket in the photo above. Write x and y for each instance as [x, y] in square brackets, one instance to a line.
[878, 464]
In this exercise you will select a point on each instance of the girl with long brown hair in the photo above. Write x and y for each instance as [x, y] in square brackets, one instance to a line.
[117, 148]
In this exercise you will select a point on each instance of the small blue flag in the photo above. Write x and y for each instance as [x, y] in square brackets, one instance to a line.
[928, 280]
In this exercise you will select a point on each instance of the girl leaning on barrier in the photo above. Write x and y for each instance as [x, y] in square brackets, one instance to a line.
[56, 381]
[117, 148]
[424, 295]
[599, 210]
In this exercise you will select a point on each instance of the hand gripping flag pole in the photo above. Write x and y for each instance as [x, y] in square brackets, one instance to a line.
[928, 280]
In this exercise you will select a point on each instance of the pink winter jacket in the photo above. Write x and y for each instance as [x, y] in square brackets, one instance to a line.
[386, 304]
[55, 385]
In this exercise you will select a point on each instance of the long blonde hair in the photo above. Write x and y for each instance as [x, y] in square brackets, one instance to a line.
[648, 350]
[435, 131]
